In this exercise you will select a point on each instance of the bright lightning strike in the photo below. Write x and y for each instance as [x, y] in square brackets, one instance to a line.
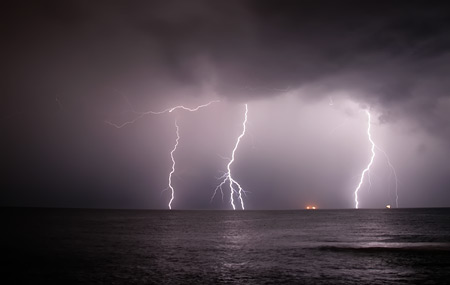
[367, 169]
[169, 110]
[173, 165]
[235, 187]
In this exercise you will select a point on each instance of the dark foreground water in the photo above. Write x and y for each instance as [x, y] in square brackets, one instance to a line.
[212, 247]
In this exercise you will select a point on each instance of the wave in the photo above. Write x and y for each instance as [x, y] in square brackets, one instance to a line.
[404, 247]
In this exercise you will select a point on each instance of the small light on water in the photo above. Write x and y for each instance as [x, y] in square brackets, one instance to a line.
[388, 206]
[310, 207]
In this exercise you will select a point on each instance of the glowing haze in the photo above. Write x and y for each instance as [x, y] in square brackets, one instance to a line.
[306, 69]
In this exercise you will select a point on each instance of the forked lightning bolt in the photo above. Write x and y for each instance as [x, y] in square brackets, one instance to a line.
[367, 169]
[173, 165]
[169, 110]
[235, 187]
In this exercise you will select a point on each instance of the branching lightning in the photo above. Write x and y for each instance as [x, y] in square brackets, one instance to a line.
[169, 110]
[367, 169]
[235, 187]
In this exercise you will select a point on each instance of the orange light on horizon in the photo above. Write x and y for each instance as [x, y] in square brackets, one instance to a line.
[310, 207]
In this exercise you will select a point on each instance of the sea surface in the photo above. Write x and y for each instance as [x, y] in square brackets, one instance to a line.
[79, 246]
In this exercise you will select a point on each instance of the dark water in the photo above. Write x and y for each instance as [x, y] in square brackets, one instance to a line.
[210, 247]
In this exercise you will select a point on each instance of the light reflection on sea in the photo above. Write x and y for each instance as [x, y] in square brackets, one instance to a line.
[204, 247]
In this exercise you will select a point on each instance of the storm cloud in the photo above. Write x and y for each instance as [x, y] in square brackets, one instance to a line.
[306, 69]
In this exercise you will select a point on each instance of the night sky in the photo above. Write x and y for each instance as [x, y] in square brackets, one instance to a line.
[306, 69]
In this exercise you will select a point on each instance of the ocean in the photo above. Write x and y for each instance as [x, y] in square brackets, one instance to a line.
[80, 246]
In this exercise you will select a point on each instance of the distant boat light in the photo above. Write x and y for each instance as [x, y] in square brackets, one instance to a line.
[310, 207]
[388, 206]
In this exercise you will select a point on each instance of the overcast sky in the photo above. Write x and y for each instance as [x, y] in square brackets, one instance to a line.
[306, 69]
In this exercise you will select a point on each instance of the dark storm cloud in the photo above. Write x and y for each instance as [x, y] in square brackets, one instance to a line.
[66, 66]
[387, 51]
[242, 48]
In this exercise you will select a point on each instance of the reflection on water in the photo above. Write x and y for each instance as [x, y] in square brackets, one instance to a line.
[251, 247]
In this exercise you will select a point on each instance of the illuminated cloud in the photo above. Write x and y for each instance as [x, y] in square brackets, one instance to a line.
[286, 61]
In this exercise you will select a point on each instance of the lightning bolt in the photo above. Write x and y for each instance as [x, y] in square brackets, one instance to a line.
[235, 187]
[173, 165]
[367, 169]
[168, 110]
[392, 172]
